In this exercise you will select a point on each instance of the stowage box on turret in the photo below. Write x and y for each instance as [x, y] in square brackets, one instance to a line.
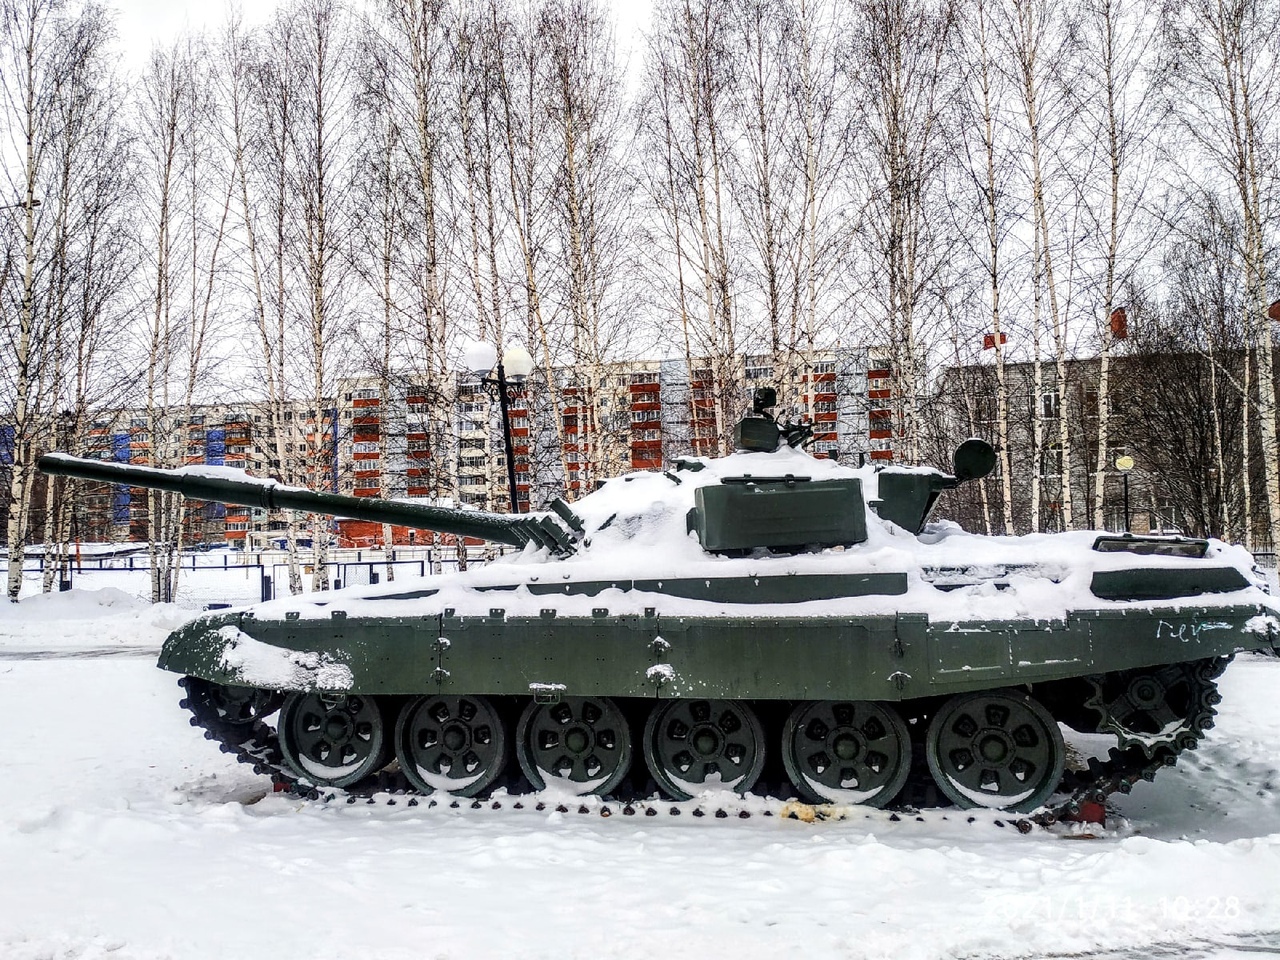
[678, 631]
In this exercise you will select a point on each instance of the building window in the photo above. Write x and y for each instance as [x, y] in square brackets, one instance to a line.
[645, 416]
[364, 448]
[1051, 461]
[1050, 405]
[365, 394]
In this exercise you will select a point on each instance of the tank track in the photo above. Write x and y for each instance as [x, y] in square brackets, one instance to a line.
[254, 742]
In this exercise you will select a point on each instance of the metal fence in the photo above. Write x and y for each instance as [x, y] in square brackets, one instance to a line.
[205, 581]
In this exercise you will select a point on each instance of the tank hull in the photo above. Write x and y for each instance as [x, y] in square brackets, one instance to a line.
[890, 658]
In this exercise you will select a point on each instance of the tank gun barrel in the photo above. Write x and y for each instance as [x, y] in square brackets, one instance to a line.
[513, 529]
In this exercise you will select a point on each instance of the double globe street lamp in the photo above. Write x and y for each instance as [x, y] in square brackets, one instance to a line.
[511, 368]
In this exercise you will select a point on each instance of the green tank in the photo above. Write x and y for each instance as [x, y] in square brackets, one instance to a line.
[765, 621]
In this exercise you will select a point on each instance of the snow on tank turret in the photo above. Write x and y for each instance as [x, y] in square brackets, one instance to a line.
[686, 630]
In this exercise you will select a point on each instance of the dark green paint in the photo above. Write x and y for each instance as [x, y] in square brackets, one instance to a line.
[809, 658]
[780, 512]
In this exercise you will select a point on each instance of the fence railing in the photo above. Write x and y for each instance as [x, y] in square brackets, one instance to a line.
[213, 584]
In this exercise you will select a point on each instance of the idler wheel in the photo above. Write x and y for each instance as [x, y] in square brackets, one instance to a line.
[333, 739]
[230, 704]
[691, 745]
[999, 749]
[846, 751]
[581, 744]
[456, 744]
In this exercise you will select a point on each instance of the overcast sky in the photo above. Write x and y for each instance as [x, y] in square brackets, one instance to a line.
[143, 23]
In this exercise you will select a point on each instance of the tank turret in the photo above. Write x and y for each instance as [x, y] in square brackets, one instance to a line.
[777, 511]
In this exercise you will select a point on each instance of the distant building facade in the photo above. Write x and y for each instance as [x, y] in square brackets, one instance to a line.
[1175, 419]
[398, 438]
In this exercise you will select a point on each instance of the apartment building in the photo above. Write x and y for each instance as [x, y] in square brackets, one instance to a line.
[402, 438]
[607, 419]
[239, 436]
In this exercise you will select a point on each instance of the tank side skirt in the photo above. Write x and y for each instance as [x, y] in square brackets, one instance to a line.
[862, 658]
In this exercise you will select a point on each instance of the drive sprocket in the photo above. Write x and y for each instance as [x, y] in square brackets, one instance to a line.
[1159, 709]
[1152, 729]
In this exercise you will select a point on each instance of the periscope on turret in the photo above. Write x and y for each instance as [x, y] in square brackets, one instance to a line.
[689, 627]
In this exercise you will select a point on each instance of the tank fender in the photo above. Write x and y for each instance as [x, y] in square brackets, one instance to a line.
[384, 655]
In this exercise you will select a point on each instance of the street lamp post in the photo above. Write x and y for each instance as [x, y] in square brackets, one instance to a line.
[515, 364]
[1124, 465]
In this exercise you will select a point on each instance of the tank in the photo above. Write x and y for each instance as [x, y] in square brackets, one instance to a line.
[766, 621]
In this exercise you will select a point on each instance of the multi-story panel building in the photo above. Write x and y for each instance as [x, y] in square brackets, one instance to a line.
[397, 438]
[215, 435]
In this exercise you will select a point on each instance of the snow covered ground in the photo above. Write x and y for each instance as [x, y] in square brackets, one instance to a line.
[124, 834]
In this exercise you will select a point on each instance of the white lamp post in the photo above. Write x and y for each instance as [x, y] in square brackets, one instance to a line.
[515, 364]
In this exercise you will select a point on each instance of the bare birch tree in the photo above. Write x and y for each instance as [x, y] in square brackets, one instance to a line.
[88, 299]
[687, 112]
[906, 92]
[32, 68]
[1223, 57]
